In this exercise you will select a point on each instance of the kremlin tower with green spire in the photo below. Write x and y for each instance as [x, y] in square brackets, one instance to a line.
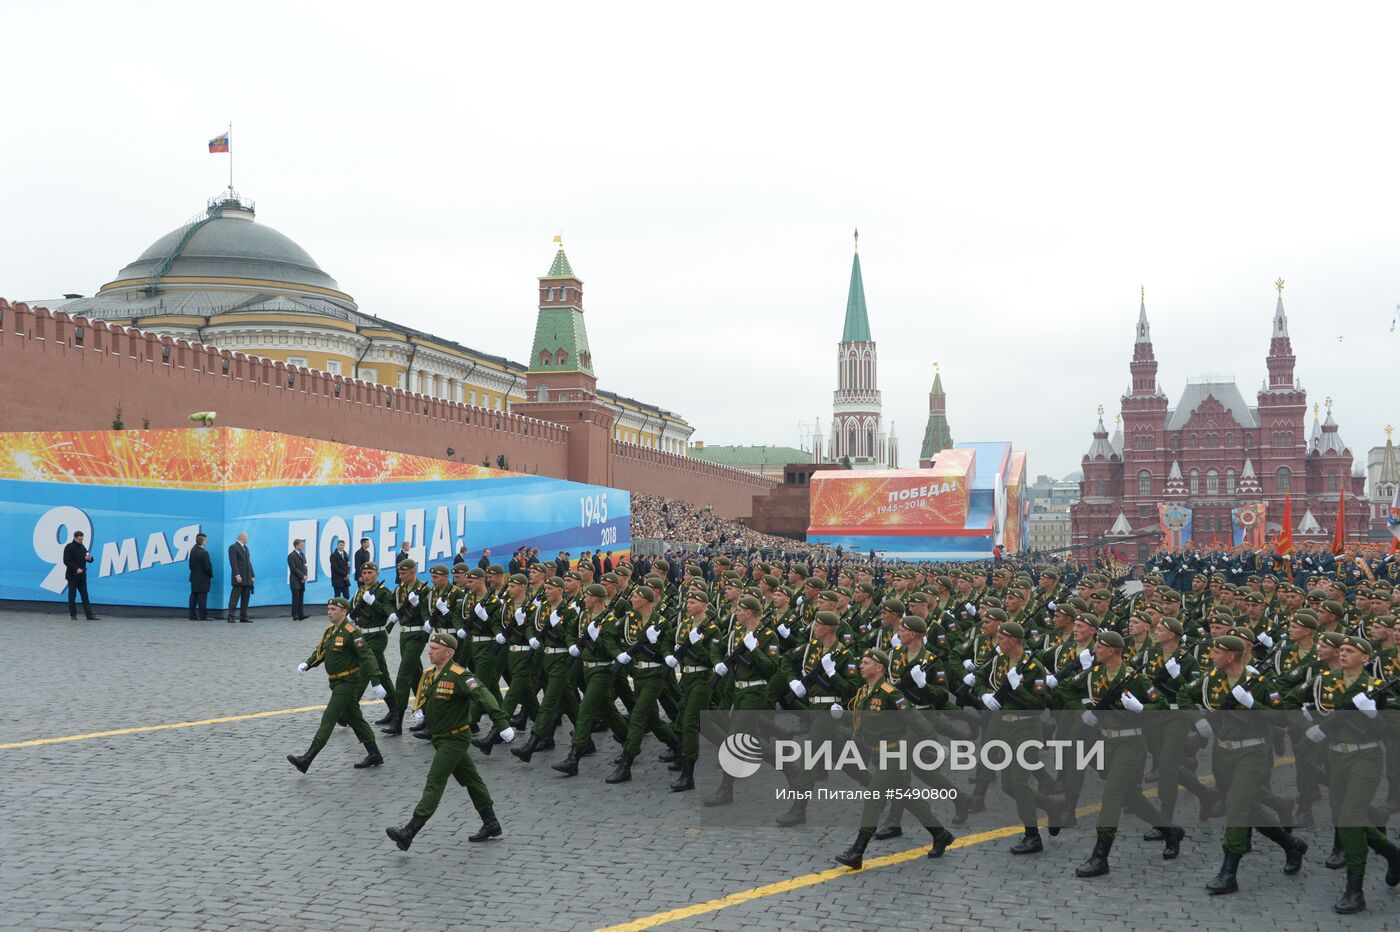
[937, 435]
[857, 436]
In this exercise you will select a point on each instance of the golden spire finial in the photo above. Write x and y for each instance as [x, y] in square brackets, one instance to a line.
[1388, 431]
[1317, 410]
[559, 239]
[935, 367]
[1142, 294]
[1279, 285]
[1328, 401]
[1100, 410]
[1117, 420]
[857, 246]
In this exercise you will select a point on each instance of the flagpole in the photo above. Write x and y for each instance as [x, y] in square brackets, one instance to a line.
[230, 156]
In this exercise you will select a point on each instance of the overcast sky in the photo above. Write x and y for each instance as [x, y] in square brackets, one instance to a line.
[1016, 171]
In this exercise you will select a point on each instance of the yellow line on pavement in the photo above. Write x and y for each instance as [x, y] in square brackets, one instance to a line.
[223, 720]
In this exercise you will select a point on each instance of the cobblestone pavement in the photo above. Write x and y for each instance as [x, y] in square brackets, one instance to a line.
[208, 827]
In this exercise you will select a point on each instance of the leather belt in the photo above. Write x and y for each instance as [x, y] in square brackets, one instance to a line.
[821, 700]
[1348, 748]
[749, 684]
[645, 665]
[695, 669]
[1239, 745]
[556, 650]
[1122, 733]
[342, 675]
[590, 664]
[478, 638]
[519, 647]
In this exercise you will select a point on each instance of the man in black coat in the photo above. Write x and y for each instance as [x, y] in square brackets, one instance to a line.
[201, 579]
[340, 571]
[461, 557]
[240, 564]
[485, 560]
[296, 578]
[75, 561]
[362, 556]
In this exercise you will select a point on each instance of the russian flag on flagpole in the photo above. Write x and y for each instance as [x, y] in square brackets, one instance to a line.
[220, 143]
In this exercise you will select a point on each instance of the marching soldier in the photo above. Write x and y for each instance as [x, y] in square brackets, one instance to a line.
[370, 608]
[752, 651]
[349, 664]
[694, 655]
[555, 626]
[642, 630]
[446, 693]
[596, 644]
[411, 598]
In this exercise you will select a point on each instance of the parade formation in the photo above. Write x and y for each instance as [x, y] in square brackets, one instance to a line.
[647, 648]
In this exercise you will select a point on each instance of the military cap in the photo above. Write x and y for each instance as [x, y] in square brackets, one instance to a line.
[866, 587]
[1360, 644]
[1079, 603]
[538, 568]
[661, 566]
[1110, 639]
[751, 603]
[597, 591]
[1306, 619]
[1332, 638]
[893, 605]
[785, 590]
[921, 597]
[1242, 632]
[723, 561]
[476, 572]
[1088, 618]
[574, 574]
[1317, 595]
[1335, 607]
[1174, 626]
[732, 578]
[915, 623]
[1101, 594]
[1254, 597]
[995, 614]
[343, 603]
[991, 601]
[518, 578]
[461, 568]
[693, 569]
[656, 582]
[408, 563]
[369, 565]
[771, 581]
[1387, 621]
[623, 569]
[443, 638]
[814, 582]
[495, 569]
[438, 570]
[829, 595]
[827, 618]
[878, 656]
[1065, 608]
[610, 578]
[945, 581]
[1155, 578]
[555, 581]
[697, 593]
[1051, 572]
[647, 592]
[1229, 642]
[1011, 629]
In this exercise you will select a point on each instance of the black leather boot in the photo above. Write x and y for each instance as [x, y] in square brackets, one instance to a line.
[675, 762]
[670, 754]
[796, 815]
[1225, 882]
[589, 748]
[1173, 835]
[424, 735]
[888, 831]
[1154, 834]
[1336, 860]
[569, 765]
[722, 796]
[686, 781]
[486, 744]
[942, 838]
[1030, 843]
[960, 811]
[304, 761]
[403, 837]
[532, 744]
[490, 828]
[1097, 863]
[1293, 850]
[388, 716]
[1353, 900]
[372, 757]
[854, 856]
[395, 724]
[623, 771]
[1391, 853]
[517, 721]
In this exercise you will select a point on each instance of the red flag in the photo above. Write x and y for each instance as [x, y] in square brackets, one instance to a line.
[1395, 545]
[1339, 532]
[1284, 544]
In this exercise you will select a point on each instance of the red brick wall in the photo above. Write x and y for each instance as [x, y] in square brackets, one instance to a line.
[730, 491]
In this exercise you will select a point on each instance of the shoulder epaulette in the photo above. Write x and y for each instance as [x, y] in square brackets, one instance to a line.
[457, 668]
[350, 627]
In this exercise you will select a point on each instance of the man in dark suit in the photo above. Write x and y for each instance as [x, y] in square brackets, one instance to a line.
[240, 564]
[296, 578]
[485, 560]
[402, 555]
[461, 557]
[363, 555]
[597, 565]
[75, 561]
[201, 579]
[608, 563]
[340, 571]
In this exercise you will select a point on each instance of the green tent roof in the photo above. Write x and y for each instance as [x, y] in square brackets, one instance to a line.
[857, 323]
[561, 268]
[750, 456]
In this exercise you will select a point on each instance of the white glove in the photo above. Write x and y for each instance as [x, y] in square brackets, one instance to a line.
[969, 665]
[784, 630]
[1204, 730]
[461, 633]
[1089, 718]
[797, 688]
[696, 636]
[1051, 680]
[302, 668]
[990, 702]
[750, 641]
[829, 664]
[393, 619]
[1132, 703]
[800, 600]
[836, 710]
[1242, 696]
[520, 616]
[971, 609]
[593, 630]
[671, 661]
[413, 599]
[1014, 678]
[554, 619]
[624, 658]
[1264, 639]
[443, 607]
[418, 717]
[1251, 670]
[369, 598]
[481, 612]
[1086, 659]
[500, 639]
[534, 643]
[917, 674]
[1052, 606]
[1364, 702]
[427, 627]
[508, 734]
[969, 679]
[1173, 668]
[1316, 735]
[378, 692]
[653, 633]
[573, 650]
[723, 670]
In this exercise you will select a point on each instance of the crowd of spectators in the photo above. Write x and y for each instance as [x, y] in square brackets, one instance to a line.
[698, 527]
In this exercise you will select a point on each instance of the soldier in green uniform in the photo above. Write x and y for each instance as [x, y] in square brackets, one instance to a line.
[445, 695]
[411, 602]
[872, 725]
[751, 653]
[1241, 758]
[642, 632]
[464, 600]
[596, 642]
[442, 601]
[695, 652]
[369, 609]
[515, 635]
[556, 624]
[483, 626]
[1169, 665]
[350, 664]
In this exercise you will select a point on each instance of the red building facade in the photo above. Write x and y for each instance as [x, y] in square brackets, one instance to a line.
[1212, 451]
